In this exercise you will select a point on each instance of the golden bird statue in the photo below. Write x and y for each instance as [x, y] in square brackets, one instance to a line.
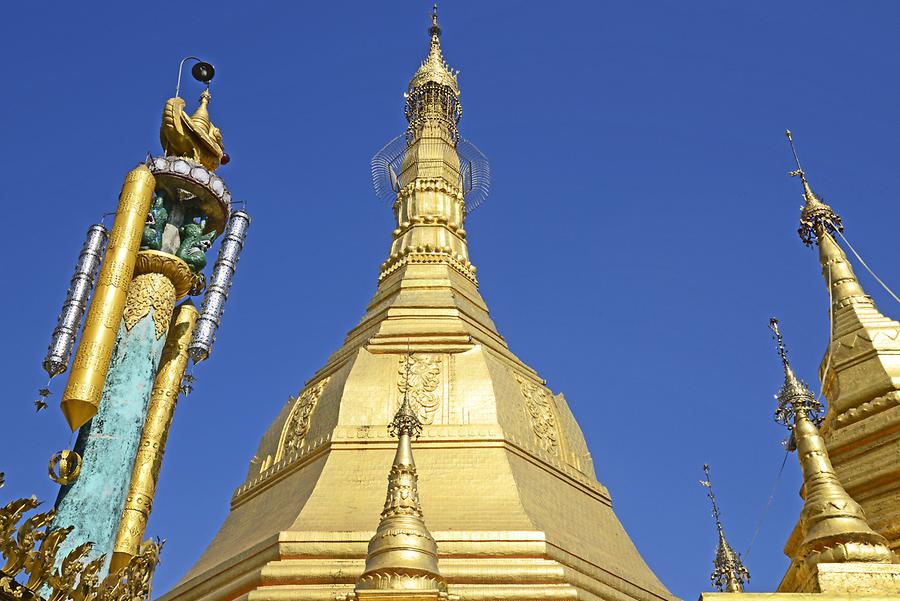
[193, 137]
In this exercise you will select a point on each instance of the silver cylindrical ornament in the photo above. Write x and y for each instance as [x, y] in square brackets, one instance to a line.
[63, 338]
[219, 283]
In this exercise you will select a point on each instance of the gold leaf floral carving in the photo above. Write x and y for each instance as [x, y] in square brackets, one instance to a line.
[420, 376]
[538, 407]
[150, 291]
[297, 425]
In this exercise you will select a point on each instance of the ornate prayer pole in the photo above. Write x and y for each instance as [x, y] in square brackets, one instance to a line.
[130, 363]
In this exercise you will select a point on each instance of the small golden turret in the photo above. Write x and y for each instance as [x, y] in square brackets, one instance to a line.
[402, 556]
[729, 573]
[833, 525]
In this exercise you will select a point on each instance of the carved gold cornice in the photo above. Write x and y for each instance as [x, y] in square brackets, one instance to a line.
[178, 272]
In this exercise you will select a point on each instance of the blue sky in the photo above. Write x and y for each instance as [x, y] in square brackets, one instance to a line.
[640, 232]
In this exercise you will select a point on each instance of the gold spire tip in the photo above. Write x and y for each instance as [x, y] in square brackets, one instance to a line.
[405, 420]
[816, 217]
[435, 29]
[795, 397]
[729, 573]
[782, 352]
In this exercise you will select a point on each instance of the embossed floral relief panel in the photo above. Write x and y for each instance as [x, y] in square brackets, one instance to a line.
[420, 378]
[296, 427]
[538, 408]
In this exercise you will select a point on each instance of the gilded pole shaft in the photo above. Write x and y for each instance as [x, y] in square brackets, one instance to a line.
[151, 448]
[85, 386]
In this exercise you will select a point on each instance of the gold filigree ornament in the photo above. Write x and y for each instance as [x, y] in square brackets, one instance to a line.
[150, 291]
[537, 406]
[32, 549]
[420, 376]
[297, 425]
[64, 467]
[160, 280]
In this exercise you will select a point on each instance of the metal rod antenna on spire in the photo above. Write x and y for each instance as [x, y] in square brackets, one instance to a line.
[799, 171]
[773, 325]
[712, 497]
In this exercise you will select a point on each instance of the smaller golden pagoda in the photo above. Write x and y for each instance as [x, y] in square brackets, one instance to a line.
[833, 526]
[402, 561]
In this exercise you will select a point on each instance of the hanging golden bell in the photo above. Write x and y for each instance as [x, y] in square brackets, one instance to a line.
[64, 467]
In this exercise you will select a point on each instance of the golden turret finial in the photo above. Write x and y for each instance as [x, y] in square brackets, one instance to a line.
[402, 556]
[434, 68]
[816, 217]
[833, 525]
[729, 573]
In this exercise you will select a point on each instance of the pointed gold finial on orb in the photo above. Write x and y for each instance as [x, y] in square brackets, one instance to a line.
[816, 217]
[434, 68]
[729, 573]
[435, 29]
[193, 137]
[833, 525]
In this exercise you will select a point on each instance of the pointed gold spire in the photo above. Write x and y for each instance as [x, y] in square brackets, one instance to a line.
[402, 555]
[816, 217]
[729, 573]
[201, 115]
[833, 525]
[434, 68]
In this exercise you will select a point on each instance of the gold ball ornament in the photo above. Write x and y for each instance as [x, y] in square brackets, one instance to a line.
[64, 467]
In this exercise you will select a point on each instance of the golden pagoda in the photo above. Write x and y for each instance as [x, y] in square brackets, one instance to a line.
[504, 475]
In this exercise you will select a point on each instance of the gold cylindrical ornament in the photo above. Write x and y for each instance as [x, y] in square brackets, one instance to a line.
[163, 399]
[85, 385]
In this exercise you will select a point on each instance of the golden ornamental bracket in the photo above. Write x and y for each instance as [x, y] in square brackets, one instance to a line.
[30, 548]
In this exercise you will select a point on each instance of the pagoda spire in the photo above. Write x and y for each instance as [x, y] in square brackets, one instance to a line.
[833, 526]
[427, 298]
[862, 339]
[402, 556]
[729, 573]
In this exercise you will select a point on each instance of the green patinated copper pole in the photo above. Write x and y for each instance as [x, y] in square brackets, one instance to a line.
[152, 446]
